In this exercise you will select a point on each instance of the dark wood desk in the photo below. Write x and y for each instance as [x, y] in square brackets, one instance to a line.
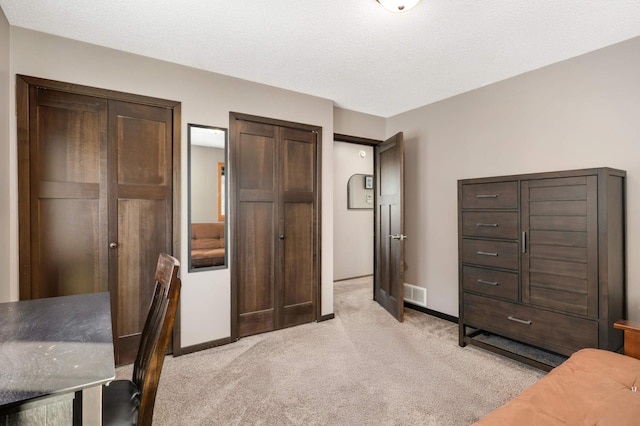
[52, 350]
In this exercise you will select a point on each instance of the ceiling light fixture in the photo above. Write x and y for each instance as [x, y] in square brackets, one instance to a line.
[398, 5]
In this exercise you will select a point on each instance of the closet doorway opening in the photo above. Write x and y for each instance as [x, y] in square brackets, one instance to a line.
[353, 209]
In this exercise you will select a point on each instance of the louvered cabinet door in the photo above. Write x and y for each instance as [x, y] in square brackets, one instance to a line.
[560, 259]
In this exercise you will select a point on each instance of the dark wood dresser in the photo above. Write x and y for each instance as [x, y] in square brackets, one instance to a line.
[542, 259]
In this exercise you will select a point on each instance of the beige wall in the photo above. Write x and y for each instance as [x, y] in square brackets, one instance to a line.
[353, 123]
[5, 294]
[580, 113]
[352, 229]
[206, 99]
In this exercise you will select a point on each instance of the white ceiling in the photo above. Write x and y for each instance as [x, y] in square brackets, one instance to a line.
[207, 136]
[353, 52]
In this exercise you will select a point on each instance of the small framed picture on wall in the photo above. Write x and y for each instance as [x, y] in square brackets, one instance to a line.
[368, 182]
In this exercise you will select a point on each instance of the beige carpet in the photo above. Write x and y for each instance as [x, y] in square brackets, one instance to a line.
[361, 368]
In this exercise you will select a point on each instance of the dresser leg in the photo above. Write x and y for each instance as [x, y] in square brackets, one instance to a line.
[461, 335]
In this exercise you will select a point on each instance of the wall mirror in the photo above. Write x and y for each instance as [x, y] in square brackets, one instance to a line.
[207, 197]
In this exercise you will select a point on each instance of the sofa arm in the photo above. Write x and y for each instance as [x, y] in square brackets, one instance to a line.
[631, 337]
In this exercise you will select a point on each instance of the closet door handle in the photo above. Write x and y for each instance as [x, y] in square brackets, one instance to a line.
[486, 253]
[521, 321]
[487, 225]
[400, 237]
[487, 196]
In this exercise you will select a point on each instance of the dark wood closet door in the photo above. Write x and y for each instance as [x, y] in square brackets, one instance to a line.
[297, 224]
[256, 154]
[275, 268]
[67, 193]
[140, 166]
[389, 277]
[96, 181]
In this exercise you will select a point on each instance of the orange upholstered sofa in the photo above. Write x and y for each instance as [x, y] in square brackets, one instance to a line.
[592, 387]
[207, 244]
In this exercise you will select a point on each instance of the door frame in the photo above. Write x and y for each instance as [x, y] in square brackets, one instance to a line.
[234, 118]
[23, 85]
[337, 137]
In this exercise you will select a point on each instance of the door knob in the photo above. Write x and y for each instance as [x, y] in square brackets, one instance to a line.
[113, 245]
[282, 237]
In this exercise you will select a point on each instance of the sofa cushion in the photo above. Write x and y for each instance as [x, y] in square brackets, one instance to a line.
[592, 387]
[207, 235]
[207, 244]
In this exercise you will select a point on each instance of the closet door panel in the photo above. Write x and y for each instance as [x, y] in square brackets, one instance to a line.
[140, 233]
[298, 161]
[145, 161]
[69, 151]
[67, 259]
[257, 225]
[140, 223]
[298, 281]
[297, 196]
[68, 209]
[256, 298]
[257, 158]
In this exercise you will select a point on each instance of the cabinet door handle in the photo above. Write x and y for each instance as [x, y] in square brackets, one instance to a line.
[524, 241]
[488, 282]
[487, 225]
[486, 253]
[521, 321]
[487, 196]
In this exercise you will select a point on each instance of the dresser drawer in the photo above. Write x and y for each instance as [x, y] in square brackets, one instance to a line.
[490, 224]
[498, 254]
[490, 282]
[551, 330]
[500, 195]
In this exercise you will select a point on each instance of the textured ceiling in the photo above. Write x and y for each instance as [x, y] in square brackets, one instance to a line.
[350, 51]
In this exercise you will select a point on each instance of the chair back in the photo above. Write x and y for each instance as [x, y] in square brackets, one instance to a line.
[156, 334]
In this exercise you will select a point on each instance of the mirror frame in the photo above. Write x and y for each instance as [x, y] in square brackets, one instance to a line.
[190, 126]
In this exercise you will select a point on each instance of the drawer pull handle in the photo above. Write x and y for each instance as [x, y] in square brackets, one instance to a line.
[487, 196]
[488, 282]
[487, 225]
[527, 322]
[486, 253]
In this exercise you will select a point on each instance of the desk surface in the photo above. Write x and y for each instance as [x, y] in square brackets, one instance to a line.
[54, 345]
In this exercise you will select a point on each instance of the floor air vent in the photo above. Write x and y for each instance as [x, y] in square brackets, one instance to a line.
[416, 295]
